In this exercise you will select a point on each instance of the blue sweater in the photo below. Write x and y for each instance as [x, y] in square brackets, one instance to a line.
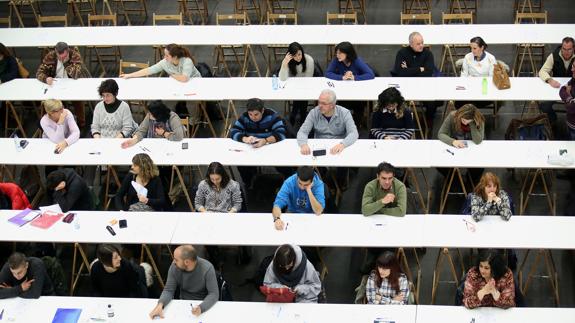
[359, 68]
[297, 200]
[270, 124]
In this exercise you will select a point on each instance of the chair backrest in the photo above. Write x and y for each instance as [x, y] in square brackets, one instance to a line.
[456, 18]
[232, 19]
[124, 65]
[341, 18]
[415, 18]
[531, 17]
[6, 22]
[186, 124]
[175, 18]
[281, 18]
[59, 21]
[416, 6]
[102, 20]
[282, 6]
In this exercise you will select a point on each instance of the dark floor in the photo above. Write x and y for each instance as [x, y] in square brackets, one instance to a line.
[344, 263]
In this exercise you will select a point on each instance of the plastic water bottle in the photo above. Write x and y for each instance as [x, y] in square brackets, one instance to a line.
[17, 143]
[484, 86]
[77, 223]
[275, 82]
[110, 311]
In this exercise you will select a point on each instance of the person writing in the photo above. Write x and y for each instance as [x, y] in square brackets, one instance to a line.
[58, 125]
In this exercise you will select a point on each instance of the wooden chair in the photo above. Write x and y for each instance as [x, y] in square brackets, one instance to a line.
[463, 6]
[252, 9]
[134, 8]
[528, 6]
[79, 8]
[416, 6]
[281, 6]
[159, 20]
[529, 57]
[240, 55]
[415, 18]
[351, 6]
[23, 9]
[191, 9]
[103, 54]
[551, 272]
[6, 22]
[276, 52]
[50, 21]
[138, 106]
[453, 52]
[338, 19]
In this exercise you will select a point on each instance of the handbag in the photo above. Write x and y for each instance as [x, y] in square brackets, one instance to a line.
[140, 207]
[500, 77]
[21, 69]
[278, 295]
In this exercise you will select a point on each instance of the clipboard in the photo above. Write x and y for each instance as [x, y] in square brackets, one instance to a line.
[47, 219]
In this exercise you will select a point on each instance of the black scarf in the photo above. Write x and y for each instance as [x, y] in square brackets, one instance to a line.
[293, 278]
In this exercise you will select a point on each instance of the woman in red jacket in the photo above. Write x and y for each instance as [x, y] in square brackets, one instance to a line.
[16, 196]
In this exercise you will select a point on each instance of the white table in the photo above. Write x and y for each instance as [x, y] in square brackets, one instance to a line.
[284, 34]
[209, 89]
[137, 310]
[431, 313]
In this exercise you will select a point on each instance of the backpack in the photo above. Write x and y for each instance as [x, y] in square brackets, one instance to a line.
[56, 274]
[533, 128]
[224, 288]
[259, 275]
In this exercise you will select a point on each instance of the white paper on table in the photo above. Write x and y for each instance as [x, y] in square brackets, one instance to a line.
[15, 311]
[140, 190]
[31, 216]
[51, 208]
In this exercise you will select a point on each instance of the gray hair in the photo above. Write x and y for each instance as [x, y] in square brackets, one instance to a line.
[413, 35]
[61, 47]
[330, 94]
[188, 252]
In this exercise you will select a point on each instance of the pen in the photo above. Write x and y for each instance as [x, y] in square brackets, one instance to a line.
[287, 224]
[236, 150]
[189, 94]
[45, 90]
[449, 151]
[95, 153]
[97, 319]
[379, 224]
[1, 314]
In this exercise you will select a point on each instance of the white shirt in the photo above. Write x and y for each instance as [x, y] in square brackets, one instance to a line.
[472, 67]
[61, 70]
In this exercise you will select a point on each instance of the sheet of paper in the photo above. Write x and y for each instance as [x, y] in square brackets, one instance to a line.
[52, 208]
[31, 216]
[141, 190]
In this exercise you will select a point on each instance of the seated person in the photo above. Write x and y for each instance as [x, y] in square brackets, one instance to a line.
[144, 172]
[58, 125]
[196, 279]
[466, 123]
[567, 94]
[291, 268]
[69, 190]
[113, 276]
[303, 192]
[9, 65]
[218, 192]
[489, 199]
[489, 283]
[385, 194]
[347, 66]
[296, 63]
[24, 277]
[391, 120]
[328, 121]
[177, 63]
[18, 200]
[160, 122]
[112, 117]
[387, 284]
[258, 126]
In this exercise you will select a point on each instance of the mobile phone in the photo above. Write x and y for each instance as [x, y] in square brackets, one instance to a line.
[109, 228]
[184, 145]
[319, 152]
[123, 223]
[23, 143]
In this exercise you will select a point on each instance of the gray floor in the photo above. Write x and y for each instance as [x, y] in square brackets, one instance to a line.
[344, 263]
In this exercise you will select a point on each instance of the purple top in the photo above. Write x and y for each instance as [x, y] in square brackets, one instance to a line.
[68, 131]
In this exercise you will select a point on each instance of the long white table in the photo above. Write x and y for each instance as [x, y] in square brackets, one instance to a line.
[435, 313]
[417, 88]
[284, 34]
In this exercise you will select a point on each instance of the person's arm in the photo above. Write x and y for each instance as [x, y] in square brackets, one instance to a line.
[119, 198]
[39, 274]
[428, 63]
[20, 201]
[73, 127]
[270, 279]
[371, 290]
[477, 134]
[278, 129]
[311, 286]
[47, 68]
[11, 71]
[73, 192]
[5, 278]
[400, 200]
[331, 72]
[365, 72]
[94, 275]
[177, 133]
[142, 130]
[238, 130]
[53, 134]
[306, 127]
[506, 289]
[470, 298]
[156, 196]
[188, 71]
[154, 69]
[283, 74]
[404, 289]
[169, 288]
[546, 69]
[479, 208]
[74, 66]
[465, 66]
[504, 206]
[350, 129]
[444, 133]
[95, 127]
[201, 193]
[408, 126]
[127, 120]
[565, 93]
[317, 196]
[236, 197]
[213, 291]
[283, 196]
[369, 205]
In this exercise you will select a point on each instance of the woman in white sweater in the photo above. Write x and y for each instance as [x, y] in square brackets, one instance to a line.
[112, 117]
[478, 63]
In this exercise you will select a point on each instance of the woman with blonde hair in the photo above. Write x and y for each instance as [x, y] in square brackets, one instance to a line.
[144, 173]
[464, 124]
[391, 120]
[58, 125]
[489, 199]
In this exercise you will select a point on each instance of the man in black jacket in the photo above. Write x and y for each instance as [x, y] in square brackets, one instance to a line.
[24, 277]
[69, 190]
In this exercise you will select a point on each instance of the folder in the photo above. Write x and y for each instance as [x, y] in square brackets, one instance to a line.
[67, 315]
[47, 219]
[24, 217]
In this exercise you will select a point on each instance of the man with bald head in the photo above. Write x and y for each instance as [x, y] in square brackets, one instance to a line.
[416, 61]
[196, 279]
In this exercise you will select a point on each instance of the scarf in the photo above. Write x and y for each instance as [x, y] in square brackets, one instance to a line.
[154, 123]
[293, 278]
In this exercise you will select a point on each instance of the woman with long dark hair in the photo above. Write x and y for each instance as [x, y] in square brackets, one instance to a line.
[387, 284]
[218, 192]
[347, 66]
[297, 63]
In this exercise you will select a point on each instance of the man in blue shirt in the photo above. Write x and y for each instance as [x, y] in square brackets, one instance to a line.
[302, 192]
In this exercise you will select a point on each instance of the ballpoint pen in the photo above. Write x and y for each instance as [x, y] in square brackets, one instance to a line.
[449, 151]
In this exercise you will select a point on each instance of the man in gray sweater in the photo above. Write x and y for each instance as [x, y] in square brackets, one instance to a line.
[24, 277]
[196, 279]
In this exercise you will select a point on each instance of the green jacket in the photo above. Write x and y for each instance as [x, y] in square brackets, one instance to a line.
[448, 134]
[373, 193]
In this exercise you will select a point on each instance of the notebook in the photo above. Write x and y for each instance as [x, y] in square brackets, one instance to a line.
[67, 315]
[24, 217]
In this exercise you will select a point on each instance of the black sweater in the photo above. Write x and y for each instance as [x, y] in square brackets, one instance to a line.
[10, 70]
[413, 61]
[127, 195]
[42, 285]
[124, 282]
[75, 196]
